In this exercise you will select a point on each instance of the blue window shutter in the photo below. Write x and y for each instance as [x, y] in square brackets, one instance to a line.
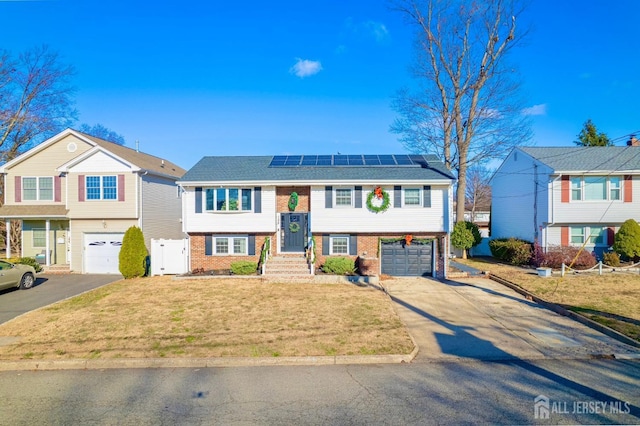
[257, 199]
[353, 245]
[252, 245]
[328, 197]
[358, 197]
[325, 245]
[426, 195]
[397, 197]
[199, 199]
[208, 245]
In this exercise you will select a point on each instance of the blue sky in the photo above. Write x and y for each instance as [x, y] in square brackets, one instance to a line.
[194, 78]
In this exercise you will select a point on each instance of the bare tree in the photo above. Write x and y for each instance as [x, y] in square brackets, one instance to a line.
[36, 99]
[102, 132]
[478, 190]
[466, 108]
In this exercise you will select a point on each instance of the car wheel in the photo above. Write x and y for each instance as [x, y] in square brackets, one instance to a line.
[27, 281]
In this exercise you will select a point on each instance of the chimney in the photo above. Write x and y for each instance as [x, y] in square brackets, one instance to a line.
[633, 141]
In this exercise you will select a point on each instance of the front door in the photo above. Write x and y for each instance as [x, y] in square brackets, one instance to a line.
[293, 232]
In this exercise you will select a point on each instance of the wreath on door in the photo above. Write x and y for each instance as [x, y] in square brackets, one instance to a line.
[293, 201]
[294, 227]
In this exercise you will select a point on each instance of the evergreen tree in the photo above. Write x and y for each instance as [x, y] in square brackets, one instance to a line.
[627, 240]
[589, 136]
[133, 254]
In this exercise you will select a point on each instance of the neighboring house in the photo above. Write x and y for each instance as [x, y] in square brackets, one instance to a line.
[76, 195]
[231, 205]
[566, 195]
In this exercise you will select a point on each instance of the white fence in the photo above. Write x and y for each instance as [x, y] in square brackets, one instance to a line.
[169, 257]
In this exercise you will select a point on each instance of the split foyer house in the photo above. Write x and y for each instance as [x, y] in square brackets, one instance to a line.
[394, 209]
[566, 195]
[75, 195]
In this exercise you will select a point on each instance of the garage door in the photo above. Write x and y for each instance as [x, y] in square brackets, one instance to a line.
[407, 260]
[101, 253]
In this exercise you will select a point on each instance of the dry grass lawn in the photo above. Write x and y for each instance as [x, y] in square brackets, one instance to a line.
[612, 299]
[161, 317]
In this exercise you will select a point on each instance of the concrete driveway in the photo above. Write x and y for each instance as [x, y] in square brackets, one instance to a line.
[477, 318]
[48, 289]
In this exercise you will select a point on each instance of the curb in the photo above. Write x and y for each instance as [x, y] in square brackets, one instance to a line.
[567, 313]
[104, 364]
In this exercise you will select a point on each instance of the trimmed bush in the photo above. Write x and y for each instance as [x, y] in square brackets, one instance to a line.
[557, 255]
[339, 266]
[244, 267]
[132, 260]
[611, 258]
[627, 240]
[465, 235]
[511, 250]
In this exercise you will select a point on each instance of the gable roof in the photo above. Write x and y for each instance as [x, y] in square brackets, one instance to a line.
[587, 159]
[153, 164]
[257, 169]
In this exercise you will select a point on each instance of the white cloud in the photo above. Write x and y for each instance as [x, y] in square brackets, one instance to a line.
[304, 68]
[378, 30]
[540, 109]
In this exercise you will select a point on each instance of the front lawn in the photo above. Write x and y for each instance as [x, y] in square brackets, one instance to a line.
[162, 317]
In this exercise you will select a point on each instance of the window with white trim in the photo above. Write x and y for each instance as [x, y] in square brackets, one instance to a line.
[596, 188]
[339, 244]
[343, 197]
[101, 187]
[412, 197]
[596, 235]
[230, 245]
[37, 188]
[39, 236]
[228, 199]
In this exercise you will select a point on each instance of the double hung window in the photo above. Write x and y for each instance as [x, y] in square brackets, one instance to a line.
[412, 197]
[37, 188]
[596, 188]
[339, 244]
[102, 188]
[344, 197]
[230, 245]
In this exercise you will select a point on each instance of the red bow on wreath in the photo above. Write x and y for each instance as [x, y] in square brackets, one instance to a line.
[378, 192]
[407, 239]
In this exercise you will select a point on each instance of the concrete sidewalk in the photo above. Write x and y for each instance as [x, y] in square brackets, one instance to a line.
[476, 318]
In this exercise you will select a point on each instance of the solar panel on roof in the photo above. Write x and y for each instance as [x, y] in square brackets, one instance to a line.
[278, 160]
[387, 160]
[309, 160]
[417, 159]
[293, 160]
[340, 160]
[324, 160]
[356, 160]
[403, 160]
[371, 160]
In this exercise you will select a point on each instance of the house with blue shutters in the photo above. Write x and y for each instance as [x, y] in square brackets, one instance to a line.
[395, 211]
[566, 196]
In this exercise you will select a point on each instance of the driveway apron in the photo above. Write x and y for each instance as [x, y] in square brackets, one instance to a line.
[477, 318]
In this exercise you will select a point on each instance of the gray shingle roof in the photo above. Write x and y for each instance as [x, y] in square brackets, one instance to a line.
[250, 168]
[587, 159]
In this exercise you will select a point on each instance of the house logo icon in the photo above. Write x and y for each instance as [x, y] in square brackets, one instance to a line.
[541, 407]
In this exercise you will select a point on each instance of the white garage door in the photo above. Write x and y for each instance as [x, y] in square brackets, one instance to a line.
[101, 253]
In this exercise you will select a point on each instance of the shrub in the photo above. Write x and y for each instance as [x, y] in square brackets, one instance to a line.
[132, 260]
[244, 267]
[611, 258]
[511, 250]
[339, 266]
[31, 261]
[464, 236]
[555, 256]
[627, 240]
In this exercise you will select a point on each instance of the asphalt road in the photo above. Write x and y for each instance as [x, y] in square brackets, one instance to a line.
[48, 289]
[471, 392]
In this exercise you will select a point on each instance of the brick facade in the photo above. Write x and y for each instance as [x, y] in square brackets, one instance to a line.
[368, 248]
[283, 193]
[217, 262]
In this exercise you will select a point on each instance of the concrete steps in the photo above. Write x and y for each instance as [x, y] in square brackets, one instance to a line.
[288, 266]
[56, 269]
